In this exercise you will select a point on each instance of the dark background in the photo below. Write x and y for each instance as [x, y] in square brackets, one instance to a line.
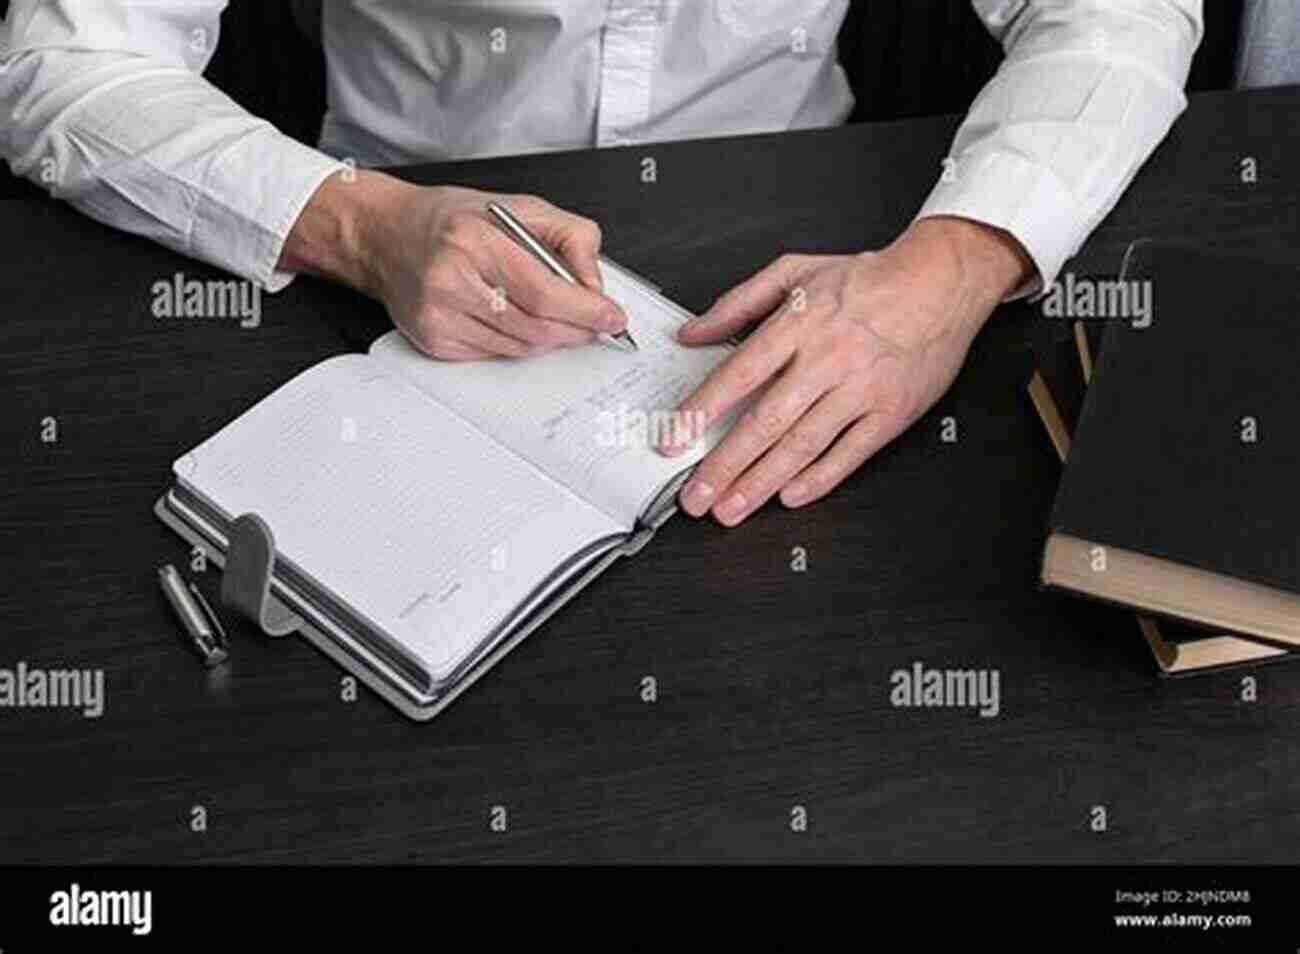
[904, 58]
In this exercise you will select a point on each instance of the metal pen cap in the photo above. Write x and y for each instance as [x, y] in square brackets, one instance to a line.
[201, 624]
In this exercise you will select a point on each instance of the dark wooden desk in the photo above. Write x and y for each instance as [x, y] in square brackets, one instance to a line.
[773, 685]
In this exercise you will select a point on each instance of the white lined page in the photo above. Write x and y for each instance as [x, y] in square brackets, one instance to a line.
[426, 528]
[573, 412]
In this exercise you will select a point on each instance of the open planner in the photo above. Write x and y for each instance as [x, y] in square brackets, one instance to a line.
[426, 515]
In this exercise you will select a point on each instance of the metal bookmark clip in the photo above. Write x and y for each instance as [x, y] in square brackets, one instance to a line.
[202, 626]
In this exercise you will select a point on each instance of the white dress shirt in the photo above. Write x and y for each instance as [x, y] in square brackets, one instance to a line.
[105, 104]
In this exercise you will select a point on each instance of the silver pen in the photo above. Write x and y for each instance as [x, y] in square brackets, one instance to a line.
[524, 236]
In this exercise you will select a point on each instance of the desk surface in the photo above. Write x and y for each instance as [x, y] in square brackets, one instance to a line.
[773, 686]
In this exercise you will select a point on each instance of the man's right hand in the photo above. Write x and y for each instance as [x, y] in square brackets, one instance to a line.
[454, 283]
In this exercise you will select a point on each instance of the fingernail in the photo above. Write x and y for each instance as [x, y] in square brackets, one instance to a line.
[612, 319]
[670, 445]
[731, 508]
[696, 496]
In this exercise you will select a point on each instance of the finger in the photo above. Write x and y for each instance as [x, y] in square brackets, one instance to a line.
[483, 337]
[575, 237]
[765, 424]
[750, 301]
[540, 334]
[551, 335]
[443, 347]
[800, 446]
[857, 444]
[757, 360]
[534, 289]
[456, 351]
[455, 313]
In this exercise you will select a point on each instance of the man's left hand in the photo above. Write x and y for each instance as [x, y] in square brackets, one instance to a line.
[852, 350]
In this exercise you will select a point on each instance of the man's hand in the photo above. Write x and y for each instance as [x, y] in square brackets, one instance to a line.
[852, 350]
[456, 285]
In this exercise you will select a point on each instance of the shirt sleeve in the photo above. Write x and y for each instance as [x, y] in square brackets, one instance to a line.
[110, 111]
[1086, 91]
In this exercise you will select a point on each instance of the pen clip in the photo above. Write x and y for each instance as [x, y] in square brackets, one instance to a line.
[216, 650]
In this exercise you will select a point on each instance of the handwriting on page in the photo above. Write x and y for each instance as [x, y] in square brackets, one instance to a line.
[588, 415]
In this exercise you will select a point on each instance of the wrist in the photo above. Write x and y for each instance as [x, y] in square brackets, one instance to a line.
[987, 263]
[339, 233]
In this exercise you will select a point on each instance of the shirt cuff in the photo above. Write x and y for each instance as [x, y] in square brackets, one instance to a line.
[1027, 200]
[247, 237]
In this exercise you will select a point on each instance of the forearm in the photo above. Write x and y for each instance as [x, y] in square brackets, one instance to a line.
[1085, 94]
[119, 123]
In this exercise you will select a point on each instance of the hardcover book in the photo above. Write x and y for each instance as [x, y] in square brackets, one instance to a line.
[1176, 499]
